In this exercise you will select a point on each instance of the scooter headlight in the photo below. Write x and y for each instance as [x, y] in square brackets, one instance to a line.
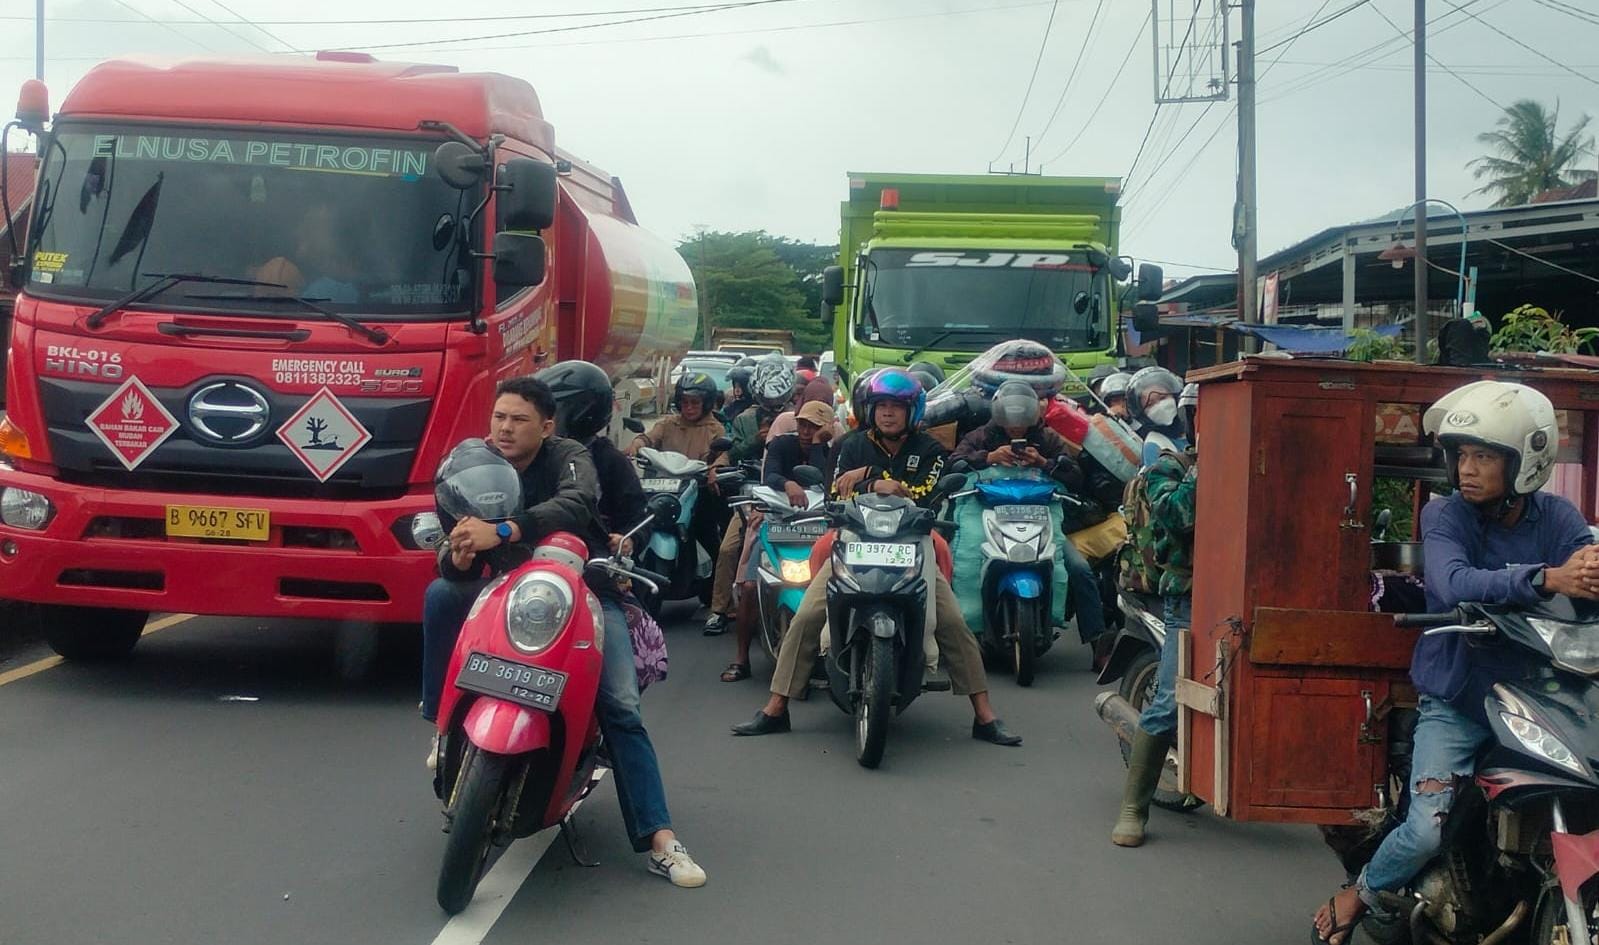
[1540, 742]
[882, 523]
[1574, 646]
[536, 610]
[796, 570]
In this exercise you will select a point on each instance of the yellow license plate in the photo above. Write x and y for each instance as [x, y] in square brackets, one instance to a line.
[204, 521]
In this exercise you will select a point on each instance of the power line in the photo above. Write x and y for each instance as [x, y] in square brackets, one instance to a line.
[1288, 44]
[1580, 275]
[1168, 262]
[1140, 153]
[1315, 26]
[1082, 51]
[225, 29]
[1106, 97]
[1038, 60]
[169, 29]
[1537, 52]
[1435, 61]
[1569, 10]
[570, 29]
[256, 26]
[389, 21]
[1192, 19]
[1172, 152]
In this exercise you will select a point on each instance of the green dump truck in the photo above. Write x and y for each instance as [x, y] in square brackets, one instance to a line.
[940, 267]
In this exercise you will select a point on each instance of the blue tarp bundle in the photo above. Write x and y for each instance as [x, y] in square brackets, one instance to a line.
[1305, 340]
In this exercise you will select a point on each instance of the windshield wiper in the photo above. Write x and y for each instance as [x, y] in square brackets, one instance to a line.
[942, 335]
[375, 335]
[164, 281]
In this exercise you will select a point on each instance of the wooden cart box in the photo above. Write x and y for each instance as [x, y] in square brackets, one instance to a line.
[1287, 678]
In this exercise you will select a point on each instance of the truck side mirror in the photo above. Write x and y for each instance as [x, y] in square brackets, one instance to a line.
[518, 260]
[460, 166]
[1146, 318]
[1151, 282]
[527, 194]
[832, 288]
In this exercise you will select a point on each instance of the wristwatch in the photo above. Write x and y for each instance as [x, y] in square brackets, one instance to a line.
[1538, 579]
[503, 530]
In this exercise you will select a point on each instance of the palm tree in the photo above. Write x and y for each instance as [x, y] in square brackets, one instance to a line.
[1527, 155]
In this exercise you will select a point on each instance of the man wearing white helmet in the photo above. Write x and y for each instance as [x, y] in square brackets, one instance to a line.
[1113, 391]
[1497, 539]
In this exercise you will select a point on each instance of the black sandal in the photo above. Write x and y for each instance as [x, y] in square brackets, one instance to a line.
[1345, 930]
[736, 672]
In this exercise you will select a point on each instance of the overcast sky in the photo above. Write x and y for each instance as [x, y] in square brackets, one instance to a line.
[750, 118]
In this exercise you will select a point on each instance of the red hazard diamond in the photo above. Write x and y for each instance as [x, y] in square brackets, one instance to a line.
[324, 434]
[132, 423]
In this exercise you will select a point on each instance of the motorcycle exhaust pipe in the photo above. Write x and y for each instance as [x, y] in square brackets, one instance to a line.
[1503, 932]
[1118, 713]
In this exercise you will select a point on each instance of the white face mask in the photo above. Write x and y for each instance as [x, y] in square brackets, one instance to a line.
[1163, 414]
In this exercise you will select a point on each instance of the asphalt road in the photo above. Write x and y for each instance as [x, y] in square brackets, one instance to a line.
[228, 785]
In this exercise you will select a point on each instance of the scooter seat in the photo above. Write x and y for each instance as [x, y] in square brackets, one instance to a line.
[672, 464]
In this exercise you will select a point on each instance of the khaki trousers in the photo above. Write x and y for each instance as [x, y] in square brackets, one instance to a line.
[726, 564]
[804, 637]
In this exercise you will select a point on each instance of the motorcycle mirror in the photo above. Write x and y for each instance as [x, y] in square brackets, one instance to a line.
[721, 445]
[951, 483]
[633, 425]
[960, 466]
[808, 476]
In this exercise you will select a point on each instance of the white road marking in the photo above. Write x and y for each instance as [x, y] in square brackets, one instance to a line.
[497, 889]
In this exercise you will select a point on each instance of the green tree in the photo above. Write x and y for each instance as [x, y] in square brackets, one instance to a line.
[1527, 154]
[746, 281]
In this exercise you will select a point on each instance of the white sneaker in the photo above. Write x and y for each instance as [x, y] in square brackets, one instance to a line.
[433, 755]
[676, 865]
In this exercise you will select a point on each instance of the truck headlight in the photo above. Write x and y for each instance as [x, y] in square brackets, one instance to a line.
[23, 508]
[536, 610]
[796, 570]
[1542, 743]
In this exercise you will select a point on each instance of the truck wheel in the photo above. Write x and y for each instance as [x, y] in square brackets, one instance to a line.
[873, 707]
[1138, 688]
[90, 633]
[466, 854]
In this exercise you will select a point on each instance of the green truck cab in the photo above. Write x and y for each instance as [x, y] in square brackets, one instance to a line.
[941, 267]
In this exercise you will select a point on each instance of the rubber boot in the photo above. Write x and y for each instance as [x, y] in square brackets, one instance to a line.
[1144, 766]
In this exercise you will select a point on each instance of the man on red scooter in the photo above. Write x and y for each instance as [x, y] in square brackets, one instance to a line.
[561, 490]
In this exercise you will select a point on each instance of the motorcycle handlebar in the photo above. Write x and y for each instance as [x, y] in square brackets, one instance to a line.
[1429, 620]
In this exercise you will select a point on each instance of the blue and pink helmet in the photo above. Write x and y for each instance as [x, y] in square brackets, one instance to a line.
[897, 385]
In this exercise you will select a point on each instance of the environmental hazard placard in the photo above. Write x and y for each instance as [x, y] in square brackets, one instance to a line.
[132, 423]
[324, 434]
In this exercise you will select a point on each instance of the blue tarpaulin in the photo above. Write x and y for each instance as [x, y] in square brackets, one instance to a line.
[1304, 340]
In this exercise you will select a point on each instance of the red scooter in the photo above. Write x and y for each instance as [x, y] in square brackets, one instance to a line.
[519, 734]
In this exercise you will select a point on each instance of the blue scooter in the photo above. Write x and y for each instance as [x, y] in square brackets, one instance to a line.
[672, 483]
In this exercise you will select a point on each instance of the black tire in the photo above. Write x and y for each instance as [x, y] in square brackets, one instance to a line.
[773, 630]
[876, 703]
[1024, 625]
[90, 633]
[1137, 686]
[478, 797]
[1550, 913]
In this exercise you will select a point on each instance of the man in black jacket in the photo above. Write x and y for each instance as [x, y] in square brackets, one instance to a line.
[561, 488]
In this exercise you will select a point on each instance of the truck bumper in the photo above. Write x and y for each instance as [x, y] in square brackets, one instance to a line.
[325, 560]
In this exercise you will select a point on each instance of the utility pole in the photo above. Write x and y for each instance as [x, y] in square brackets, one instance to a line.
[1244, 231]
[38, 41]
[1421, 181]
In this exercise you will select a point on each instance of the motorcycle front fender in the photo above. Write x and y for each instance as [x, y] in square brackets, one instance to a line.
[506, 728]
[790, 597]
[664, 545]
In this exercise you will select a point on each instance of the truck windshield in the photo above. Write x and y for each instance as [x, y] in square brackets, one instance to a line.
[968, 299]
[357, 225]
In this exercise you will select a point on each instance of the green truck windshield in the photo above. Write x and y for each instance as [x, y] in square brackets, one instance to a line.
[355, 224]
[969, 299]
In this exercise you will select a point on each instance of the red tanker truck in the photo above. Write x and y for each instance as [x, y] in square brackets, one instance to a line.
[259, 300]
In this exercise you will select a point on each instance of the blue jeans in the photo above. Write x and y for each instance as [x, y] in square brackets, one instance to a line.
[1084, 587]
[634, 766]
[1160, 715]
[1445, 750]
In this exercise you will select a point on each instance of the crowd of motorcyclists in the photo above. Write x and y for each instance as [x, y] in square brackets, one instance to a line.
[782, 447]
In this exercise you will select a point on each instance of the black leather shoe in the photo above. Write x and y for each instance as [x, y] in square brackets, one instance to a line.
[993, 732]
[763, 724]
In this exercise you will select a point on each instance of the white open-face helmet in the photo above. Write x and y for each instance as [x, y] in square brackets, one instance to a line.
[1512, 418]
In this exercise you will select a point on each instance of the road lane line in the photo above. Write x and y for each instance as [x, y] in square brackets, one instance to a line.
[497, 889]
[51, 662]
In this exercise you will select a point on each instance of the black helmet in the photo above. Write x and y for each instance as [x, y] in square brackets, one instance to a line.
[583, 398]
[696, 384]
[857, 394]
[930, 368]
[474, 480]
[1015, 404]
[924, 378]
[739, 374]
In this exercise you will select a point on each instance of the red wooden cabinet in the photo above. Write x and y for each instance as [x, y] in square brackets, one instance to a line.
[1287, 678]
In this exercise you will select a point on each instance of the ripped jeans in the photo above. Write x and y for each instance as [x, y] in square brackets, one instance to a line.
[1446, 749]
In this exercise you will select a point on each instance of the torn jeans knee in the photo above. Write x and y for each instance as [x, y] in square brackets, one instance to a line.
[1409, 846]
